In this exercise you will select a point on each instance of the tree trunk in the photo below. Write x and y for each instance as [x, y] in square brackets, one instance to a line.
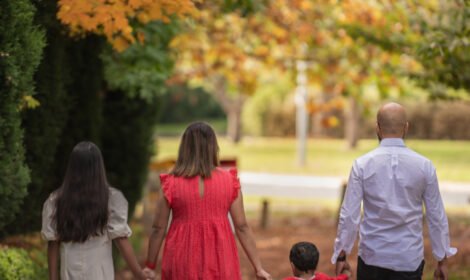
[352, 118]
[234, 121]
[232, 107]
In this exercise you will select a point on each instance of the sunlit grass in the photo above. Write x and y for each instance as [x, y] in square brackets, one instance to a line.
[327, 157]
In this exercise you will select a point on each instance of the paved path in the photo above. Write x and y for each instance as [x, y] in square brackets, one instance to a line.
[301, 186]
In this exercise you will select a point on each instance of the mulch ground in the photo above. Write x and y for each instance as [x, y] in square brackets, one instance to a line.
[274, 244]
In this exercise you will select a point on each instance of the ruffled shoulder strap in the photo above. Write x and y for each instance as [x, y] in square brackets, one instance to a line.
[235, 182]
[118, 212]
[48, 229]
[166, 184]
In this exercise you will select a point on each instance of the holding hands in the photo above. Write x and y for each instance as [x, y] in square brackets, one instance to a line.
[441, 271]
[342, 266]
[262, 274]
[148, 273]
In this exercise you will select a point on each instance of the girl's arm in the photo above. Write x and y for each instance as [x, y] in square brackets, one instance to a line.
[245, 236]
[128, 254]
[53, 259]
[160, 225]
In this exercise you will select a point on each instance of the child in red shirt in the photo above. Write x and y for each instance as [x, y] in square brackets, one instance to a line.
[304, 258]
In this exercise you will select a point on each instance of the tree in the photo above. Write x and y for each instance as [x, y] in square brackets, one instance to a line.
[222, 51]
[88, 91]
[434, 33]
[44, 124]
[444, 51]
[136, 79]
[114, 19]
[21, 44]
[227, 52]
[340, 64]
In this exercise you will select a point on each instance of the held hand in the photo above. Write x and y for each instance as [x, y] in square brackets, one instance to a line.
[347, 270]
[149, 274]
[341, 267]
[441, 271]
[262, 274]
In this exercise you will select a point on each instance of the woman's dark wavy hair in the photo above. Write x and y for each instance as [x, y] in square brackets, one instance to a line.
[304, 256]
[198, 152]
[82, 200]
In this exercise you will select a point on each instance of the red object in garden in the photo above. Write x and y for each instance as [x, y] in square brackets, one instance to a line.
[228, 163]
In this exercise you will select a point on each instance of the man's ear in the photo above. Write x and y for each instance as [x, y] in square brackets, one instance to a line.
[377, 130]
[405, 132]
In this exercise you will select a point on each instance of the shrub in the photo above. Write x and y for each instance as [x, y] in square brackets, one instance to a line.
[440, 120]
[16, 264]
[43, 126]
[178, 105]
[128, 142]
[21, 45]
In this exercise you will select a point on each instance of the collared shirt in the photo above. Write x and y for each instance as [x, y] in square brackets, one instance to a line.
[393, 181]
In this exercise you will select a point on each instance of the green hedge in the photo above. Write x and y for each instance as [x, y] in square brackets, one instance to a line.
[21, 45]
[16, 264]
[127, 137]
[43, 126]
[178, 105]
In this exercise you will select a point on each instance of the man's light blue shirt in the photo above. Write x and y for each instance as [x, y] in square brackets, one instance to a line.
[392, 182]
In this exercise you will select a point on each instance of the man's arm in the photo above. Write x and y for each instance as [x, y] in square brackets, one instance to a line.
[438, 224]
[349, 219]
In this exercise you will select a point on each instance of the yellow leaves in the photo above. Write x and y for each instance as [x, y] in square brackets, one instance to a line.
[358, 11]
[119, 43]
[29, 102]
[111, 17]
[336, 103]
[140, 37]
[261, 51]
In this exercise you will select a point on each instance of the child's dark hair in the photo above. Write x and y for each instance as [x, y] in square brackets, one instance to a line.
[304, 256]
[82, 200]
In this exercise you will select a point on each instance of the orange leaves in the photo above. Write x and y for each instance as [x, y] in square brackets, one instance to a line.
[357, 11]
[111, 17]
[336, 103]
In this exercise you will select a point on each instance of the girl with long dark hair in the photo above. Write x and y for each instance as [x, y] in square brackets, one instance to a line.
[200, 243]
[82, 218]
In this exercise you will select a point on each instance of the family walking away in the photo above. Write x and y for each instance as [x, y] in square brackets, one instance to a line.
[200, 211]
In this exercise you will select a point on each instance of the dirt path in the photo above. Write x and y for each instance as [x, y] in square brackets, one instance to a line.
[275, 242]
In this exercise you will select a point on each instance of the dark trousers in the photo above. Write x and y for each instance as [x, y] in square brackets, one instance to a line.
[370, 272]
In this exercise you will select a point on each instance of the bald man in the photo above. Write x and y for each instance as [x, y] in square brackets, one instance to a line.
[392, 182]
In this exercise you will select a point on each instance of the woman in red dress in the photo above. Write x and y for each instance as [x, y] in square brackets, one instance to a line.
[200, 243]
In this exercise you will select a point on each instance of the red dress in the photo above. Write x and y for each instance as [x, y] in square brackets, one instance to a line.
[322, 276]
[200, 243]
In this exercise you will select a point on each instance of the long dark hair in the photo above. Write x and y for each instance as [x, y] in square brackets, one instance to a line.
[198, 152]
[82, 200]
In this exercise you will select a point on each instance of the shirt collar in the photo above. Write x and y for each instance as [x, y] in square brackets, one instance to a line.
[390, 142]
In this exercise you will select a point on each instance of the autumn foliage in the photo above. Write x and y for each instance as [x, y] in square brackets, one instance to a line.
[114, 18]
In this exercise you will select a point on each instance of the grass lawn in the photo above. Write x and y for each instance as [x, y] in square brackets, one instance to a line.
[176, 129]
[326, 157]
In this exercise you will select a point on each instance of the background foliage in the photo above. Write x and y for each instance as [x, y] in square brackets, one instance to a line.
[16, 264]
[21, 43]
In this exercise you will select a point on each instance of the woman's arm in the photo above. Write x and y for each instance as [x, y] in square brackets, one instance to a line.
[127, 253]
[245, 236]
[160, 225]
[53, 259]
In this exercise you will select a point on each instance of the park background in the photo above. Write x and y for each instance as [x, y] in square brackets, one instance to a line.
[291, 87]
